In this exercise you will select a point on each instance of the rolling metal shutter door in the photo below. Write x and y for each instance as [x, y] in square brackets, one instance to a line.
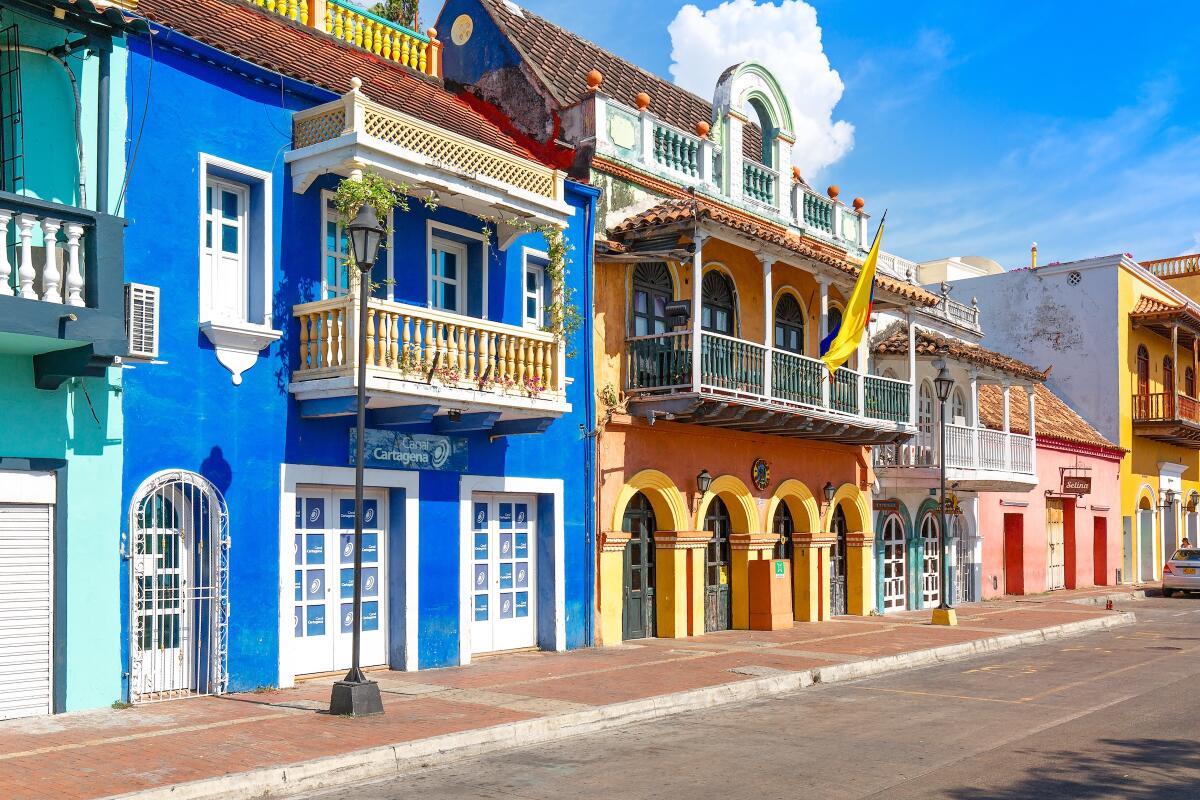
[26, 610]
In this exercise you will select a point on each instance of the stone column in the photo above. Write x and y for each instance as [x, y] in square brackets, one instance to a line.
[612, 587]
[811, 575]
[860, 573]
[679, 582]
[744, 548]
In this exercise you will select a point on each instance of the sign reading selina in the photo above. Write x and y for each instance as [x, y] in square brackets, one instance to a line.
[395, 450]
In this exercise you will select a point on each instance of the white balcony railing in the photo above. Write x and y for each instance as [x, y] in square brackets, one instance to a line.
[967, 448]
[41, 257]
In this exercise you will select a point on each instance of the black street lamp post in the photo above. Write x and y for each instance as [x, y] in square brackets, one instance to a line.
[943, 384]
[354, 695]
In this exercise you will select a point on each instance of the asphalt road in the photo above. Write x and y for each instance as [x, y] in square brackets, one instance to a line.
[1114, 714]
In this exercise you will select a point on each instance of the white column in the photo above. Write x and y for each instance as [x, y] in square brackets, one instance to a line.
[862, 359]
[768, 323]
[705, 167]
[600, 119]
[973, 400]
[1029, 390]
[25, 271]
[823, 283]
[697, 268]
[51, 275]
[647, 125]
[5, 267]
[732, 144]
[1007, 431]
[74, 283]
[912, 370]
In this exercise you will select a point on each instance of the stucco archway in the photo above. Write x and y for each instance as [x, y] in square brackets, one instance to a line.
[806, 516]
[743, 515]
[665, 499]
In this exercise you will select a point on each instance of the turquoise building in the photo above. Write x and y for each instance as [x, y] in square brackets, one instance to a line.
[62, 311]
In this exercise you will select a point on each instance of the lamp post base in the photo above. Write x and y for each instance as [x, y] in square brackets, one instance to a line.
[354, 699]
[944, 616]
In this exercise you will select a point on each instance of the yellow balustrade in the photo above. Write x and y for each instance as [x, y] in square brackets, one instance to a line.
[426, 345]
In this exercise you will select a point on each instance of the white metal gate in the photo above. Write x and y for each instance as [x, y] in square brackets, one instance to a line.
[964, 588]
[1055, 573]
[26, 610]
[894, 583]
[931, 567]
[178, 588]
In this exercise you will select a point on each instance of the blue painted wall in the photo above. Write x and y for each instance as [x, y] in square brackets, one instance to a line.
[187, 413]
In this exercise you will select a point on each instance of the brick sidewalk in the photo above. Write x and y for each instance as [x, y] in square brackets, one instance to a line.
[99, 753]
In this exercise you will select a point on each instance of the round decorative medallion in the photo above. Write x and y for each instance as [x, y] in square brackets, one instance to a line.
[760, 473]
[462, 29]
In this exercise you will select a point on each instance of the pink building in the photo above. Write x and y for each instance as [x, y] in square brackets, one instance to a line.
[1066, 532]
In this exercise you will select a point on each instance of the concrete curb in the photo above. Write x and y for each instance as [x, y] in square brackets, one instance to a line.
[1116, 597]
[390, 760]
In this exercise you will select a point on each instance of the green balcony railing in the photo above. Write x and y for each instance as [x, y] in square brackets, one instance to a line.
[886, 398]
[818, 212]
[659, 362]
[796, 378]
[676, 151]
[843, 394]
[758, 182]
[732, 364]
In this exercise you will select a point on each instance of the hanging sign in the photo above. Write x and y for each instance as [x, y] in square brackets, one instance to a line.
[952, 506]
[395, 450]
[887, 505]
[1076, 484]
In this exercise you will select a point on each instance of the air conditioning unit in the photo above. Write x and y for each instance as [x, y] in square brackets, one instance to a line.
[141, 320]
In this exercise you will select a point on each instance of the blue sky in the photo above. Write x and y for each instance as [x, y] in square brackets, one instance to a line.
[984, 127]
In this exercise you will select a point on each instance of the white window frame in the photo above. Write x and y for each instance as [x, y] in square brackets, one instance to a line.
[329, 213]
[211, 253]
[534, 261]
[432, 237]
[258, 310]
[459, 251]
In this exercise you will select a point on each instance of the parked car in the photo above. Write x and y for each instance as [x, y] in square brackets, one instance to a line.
[1182, 572]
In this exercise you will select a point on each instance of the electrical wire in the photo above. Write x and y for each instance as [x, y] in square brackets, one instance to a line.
[133, 154]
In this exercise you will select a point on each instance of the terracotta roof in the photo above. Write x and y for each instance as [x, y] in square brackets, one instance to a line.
[562, 60]
[308, 55]
[895, 343]
[689, 209]
[1054, 418]
[1148, 309]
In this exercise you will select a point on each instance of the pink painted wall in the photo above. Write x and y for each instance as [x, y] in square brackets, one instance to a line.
[1105, 495]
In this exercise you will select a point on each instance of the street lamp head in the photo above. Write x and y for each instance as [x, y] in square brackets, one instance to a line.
[943, 383]
[829, 490]
[1170, 495]
[365, 236]
[703, 481]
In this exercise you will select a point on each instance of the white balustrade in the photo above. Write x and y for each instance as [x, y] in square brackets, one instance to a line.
[40, 276]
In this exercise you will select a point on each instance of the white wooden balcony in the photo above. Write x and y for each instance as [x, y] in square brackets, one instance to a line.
[977, 459]
[423, 363]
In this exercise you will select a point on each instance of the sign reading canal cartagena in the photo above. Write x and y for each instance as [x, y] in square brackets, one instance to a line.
[395, 450]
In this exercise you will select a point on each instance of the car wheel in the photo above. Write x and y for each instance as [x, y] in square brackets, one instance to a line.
[1167, 592]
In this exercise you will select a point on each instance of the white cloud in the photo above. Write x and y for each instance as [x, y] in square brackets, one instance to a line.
[786, 39]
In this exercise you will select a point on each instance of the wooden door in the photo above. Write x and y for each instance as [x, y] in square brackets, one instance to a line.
[931, 566]
[1014, 554]
[837, 565]
[894, 580]
[1100, 551]
[638, 618]
[1054, 544]
[718, 602]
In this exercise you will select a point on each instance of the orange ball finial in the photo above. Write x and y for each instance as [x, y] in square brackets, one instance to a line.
[859, 203]
[833, 191]
[642, 100]
[702, 128]
[796, 176]
[594, 79]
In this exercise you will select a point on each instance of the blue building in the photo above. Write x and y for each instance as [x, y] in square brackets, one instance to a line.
[238, 474]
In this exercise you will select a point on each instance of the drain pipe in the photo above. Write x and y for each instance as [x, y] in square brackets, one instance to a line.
[102, 123]
[24, 48]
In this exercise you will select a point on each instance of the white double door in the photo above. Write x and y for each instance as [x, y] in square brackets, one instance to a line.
[503, 572]
[323, 612]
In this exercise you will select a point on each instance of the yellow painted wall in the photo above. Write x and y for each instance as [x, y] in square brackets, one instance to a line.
[1140, 469]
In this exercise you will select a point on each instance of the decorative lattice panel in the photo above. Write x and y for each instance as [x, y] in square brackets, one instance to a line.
[320, 128]
[458, 155]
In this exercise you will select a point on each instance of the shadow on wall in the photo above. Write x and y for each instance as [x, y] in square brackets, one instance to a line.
[1129, 768]
[218, 471]
[90, 403]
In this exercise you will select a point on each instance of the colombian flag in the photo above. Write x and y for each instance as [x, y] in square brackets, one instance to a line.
[842, 341]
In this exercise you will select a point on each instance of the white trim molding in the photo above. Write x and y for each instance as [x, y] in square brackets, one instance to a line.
[468, 486]
[295, 475]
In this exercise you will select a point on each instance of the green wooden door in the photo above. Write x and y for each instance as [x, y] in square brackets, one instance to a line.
[638, 616]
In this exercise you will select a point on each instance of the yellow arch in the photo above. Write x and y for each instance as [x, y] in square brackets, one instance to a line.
[858, 513]
[800, 502]
[670, 512]
[1146, 493]
[743, 515]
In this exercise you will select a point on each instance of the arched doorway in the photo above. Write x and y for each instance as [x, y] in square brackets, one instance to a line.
[1145, 540]
[789, 325]
[718, 601]
[719, 312]
[783, 526]
[894, 572]
[178, 592]
[837, 563]
[652, 290]
[931, 562]
[638, 619]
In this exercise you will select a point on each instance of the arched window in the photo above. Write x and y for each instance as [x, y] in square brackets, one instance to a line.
[719, 314]
[1143, 370]
[958, 406]
[789, 325]
[783, 526]
[835, 320]
[1189, 382]
[178, 592]
[931, 566]
[652, 290]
